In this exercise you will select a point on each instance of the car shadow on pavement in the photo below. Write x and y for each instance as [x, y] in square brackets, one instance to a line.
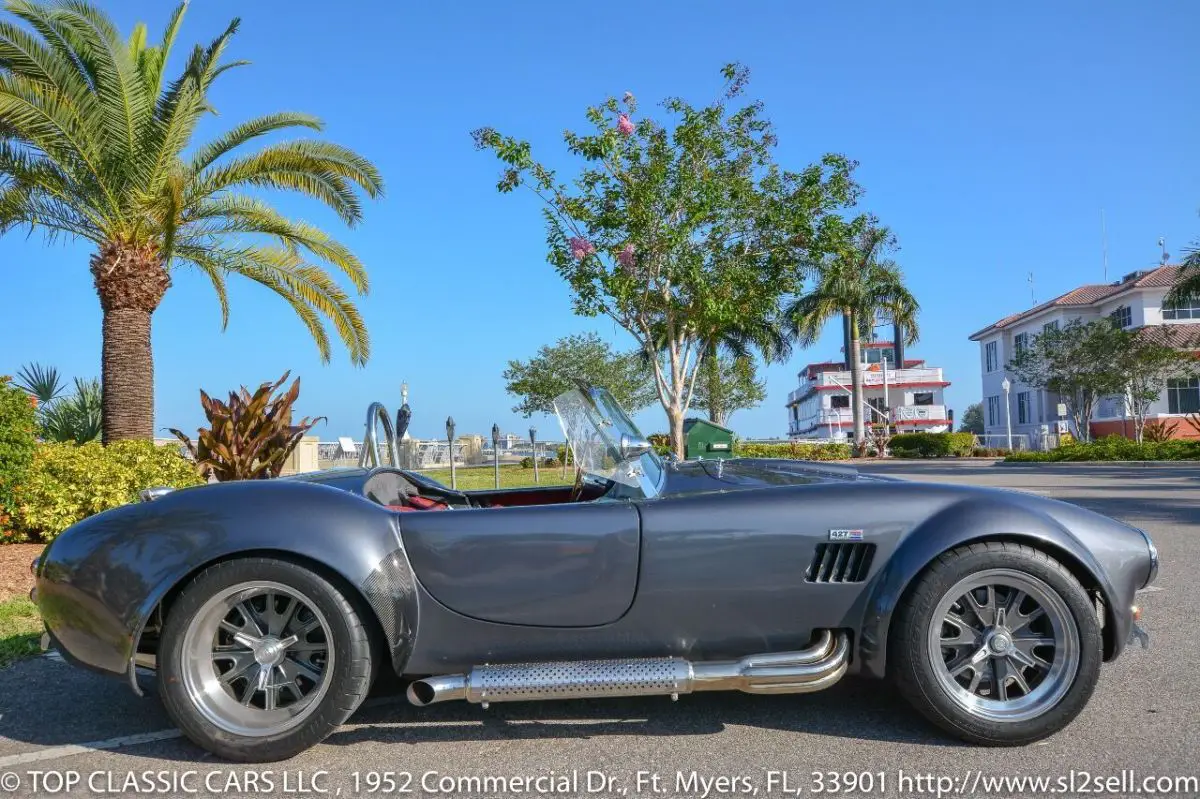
[855, 708]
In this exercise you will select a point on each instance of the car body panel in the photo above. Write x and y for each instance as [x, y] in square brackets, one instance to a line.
[569, 565]
[716, 571]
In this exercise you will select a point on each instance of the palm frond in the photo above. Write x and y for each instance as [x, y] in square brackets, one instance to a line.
[309, 290]
[246, 132]
[42, 382]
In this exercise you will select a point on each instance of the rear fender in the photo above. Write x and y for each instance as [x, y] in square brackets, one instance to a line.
[102, 579]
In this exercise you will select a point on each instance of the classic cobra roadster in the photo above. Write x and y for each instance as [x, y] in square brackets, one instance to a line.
[268, 607]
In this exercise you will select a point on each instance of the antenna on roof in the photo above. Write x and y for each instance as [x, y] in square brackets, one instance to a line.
[1104, 244]
[1162, 245]
[1032, 296]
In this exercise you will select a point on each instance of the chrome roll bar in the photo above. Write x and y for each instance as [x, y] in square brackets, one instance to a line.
[370, 456]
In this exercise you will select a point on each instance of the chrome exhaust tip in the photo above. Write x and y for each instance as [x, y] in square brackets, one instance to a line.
[431, 690]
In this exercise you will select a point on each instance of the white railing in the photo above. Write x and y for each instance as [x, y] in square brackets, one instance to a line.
[914, 413]
[875, 378]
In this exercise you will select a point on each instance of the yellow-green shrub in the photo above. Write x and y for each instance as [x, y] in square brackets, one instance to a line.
[794, 450]
[68, 482]
[17, 442]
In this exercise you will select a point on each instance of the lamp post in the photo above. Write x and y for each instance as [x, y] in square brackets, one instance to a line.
[496, 452]
[450, 438]
[533, 445]
[1007, 386]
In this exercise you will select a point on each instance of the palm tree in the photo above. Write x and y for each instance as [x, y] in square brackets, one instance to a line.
[1187, 284]
[767, 336]
[92, 146]
[859, 283]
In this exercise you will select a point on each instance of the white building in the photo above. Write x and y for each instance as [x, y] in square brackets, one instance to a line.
[1136, 302]
[820, 407]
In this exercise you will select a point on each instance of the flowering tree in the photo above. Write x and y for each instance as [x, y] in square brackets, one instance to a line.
[683, 231]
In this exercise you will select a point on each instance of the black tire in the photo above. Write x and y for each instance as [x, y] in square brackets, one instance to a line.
[344, 684]
[916, 675]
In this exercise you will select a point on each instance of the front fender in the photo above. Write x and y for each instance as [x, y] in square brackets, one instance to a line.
[964, 522]
[100, 581]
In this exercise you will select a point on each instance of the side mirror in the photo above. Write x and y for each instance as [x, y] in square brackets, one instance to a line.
[634, 447]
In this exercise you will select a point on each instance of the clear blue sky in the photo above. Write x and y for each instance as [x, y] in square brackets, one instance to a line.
[989, 136]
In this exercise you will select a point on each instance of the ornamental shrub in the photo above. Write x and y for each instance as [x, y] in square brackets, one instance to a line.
[18, 423]
[794, 450]
[1114, 448]
[932, 445]
[66, 483]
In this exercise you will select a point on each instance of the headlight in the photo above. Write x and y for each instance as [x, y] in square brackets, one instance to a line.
[1153, 557]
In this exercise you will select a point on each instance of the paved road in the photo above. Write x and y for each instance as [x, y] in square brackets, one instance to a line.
[1145, 716]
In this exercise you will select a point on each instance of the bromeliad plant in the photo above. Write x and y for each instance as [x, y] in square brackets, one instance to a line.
[251, 436]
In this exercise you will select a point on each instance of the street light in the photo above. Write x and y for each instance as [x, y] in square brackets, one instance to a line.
[450, 438]
[533, 445]
[496, 452]
[1007, 385]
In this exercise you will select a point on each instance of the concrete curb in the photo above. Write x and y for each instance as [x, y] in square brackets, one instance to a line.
[1102, 464]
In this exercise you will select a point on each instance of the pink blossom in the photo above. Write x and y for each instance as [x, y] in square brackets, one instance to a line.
[581, 248]
[627, 256]
[624, 124]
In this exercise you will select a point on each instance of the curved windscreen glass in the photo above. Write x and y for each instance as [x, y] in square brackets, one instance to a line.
[594, 424]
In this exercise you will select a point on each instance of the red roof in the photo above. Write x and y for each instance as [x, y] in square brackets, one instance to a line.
[1162, 277]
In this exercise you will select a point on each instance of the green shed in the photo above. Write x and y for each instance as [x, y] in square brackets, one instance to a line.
[704, 439]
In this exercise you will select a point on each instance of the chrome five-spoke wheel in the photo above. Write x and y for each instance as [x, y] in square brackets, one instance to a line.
[1006, 645]
[256, 658]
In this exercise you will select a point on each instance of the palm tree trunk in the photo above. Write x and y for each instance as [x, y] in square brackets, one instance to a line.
[130, 280]
[713, 387]
[127, 374]
[856, 384]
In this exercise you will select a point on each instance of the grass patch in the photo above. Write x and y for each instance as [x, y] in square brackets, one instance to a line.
[20, 630]
[478, 478]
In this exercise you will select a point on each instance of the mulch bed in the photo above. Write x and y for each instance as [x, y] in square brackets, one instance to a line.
[15, 579]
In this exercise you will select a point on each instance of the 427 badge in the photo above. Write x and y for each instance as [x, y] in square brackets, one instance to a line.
[845, 535]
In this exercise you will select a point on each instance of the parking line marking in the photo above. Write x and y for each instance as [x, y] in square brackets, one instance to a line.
[56, 752]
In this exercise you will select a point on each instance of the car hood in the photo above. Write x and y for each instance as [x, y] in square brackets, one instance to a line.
[690, 477]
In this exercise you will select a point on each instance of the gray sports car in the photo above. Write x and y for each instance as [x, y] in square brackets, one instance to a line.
[268, 607]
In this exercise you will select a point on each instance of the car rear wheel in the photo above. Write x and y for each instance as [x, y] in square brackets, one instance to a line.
[997, 643]
[261, 659]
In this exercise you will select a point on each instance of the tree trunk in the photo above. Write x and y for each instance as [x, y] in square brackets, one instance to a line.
[856, 385]
[130, 280]
[675, 419]
[712, 385]
[127, 375]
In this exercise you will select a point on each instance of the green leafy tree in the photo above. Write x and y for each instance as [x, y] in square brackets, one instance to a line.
[858, 280]
[972, 419]
[96, 143]
[739, 387]
[539, 380]
[1076, 362]
[1146, 365]
[680, 231]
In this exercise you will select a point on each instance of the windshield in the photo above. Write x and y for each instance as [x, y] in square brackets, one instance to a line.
[593, 423]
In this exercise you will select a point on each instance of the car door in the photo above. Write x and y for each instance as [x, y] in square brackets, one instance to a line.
[564, 565]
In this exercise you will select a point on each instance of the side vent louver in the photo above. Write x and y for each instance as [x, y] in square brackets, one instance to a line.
[840, 563]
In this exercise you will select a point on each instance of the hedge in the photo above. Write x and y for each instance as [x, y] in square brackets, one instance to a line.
[931, 445]
[66, 483]
[794, 450]
[18, 423]
[1114, 448]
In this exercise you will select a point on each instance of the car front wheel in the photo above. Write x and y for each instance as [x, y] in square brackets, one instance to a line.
[261, 659]
[997, 643]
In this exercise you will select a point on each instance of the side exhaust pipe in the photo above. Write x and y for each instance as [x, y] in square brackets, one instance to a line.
[818, 666]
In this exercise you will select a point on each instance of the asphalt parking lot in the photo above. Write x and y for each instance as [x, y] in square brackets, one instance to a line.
[1145, 716]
